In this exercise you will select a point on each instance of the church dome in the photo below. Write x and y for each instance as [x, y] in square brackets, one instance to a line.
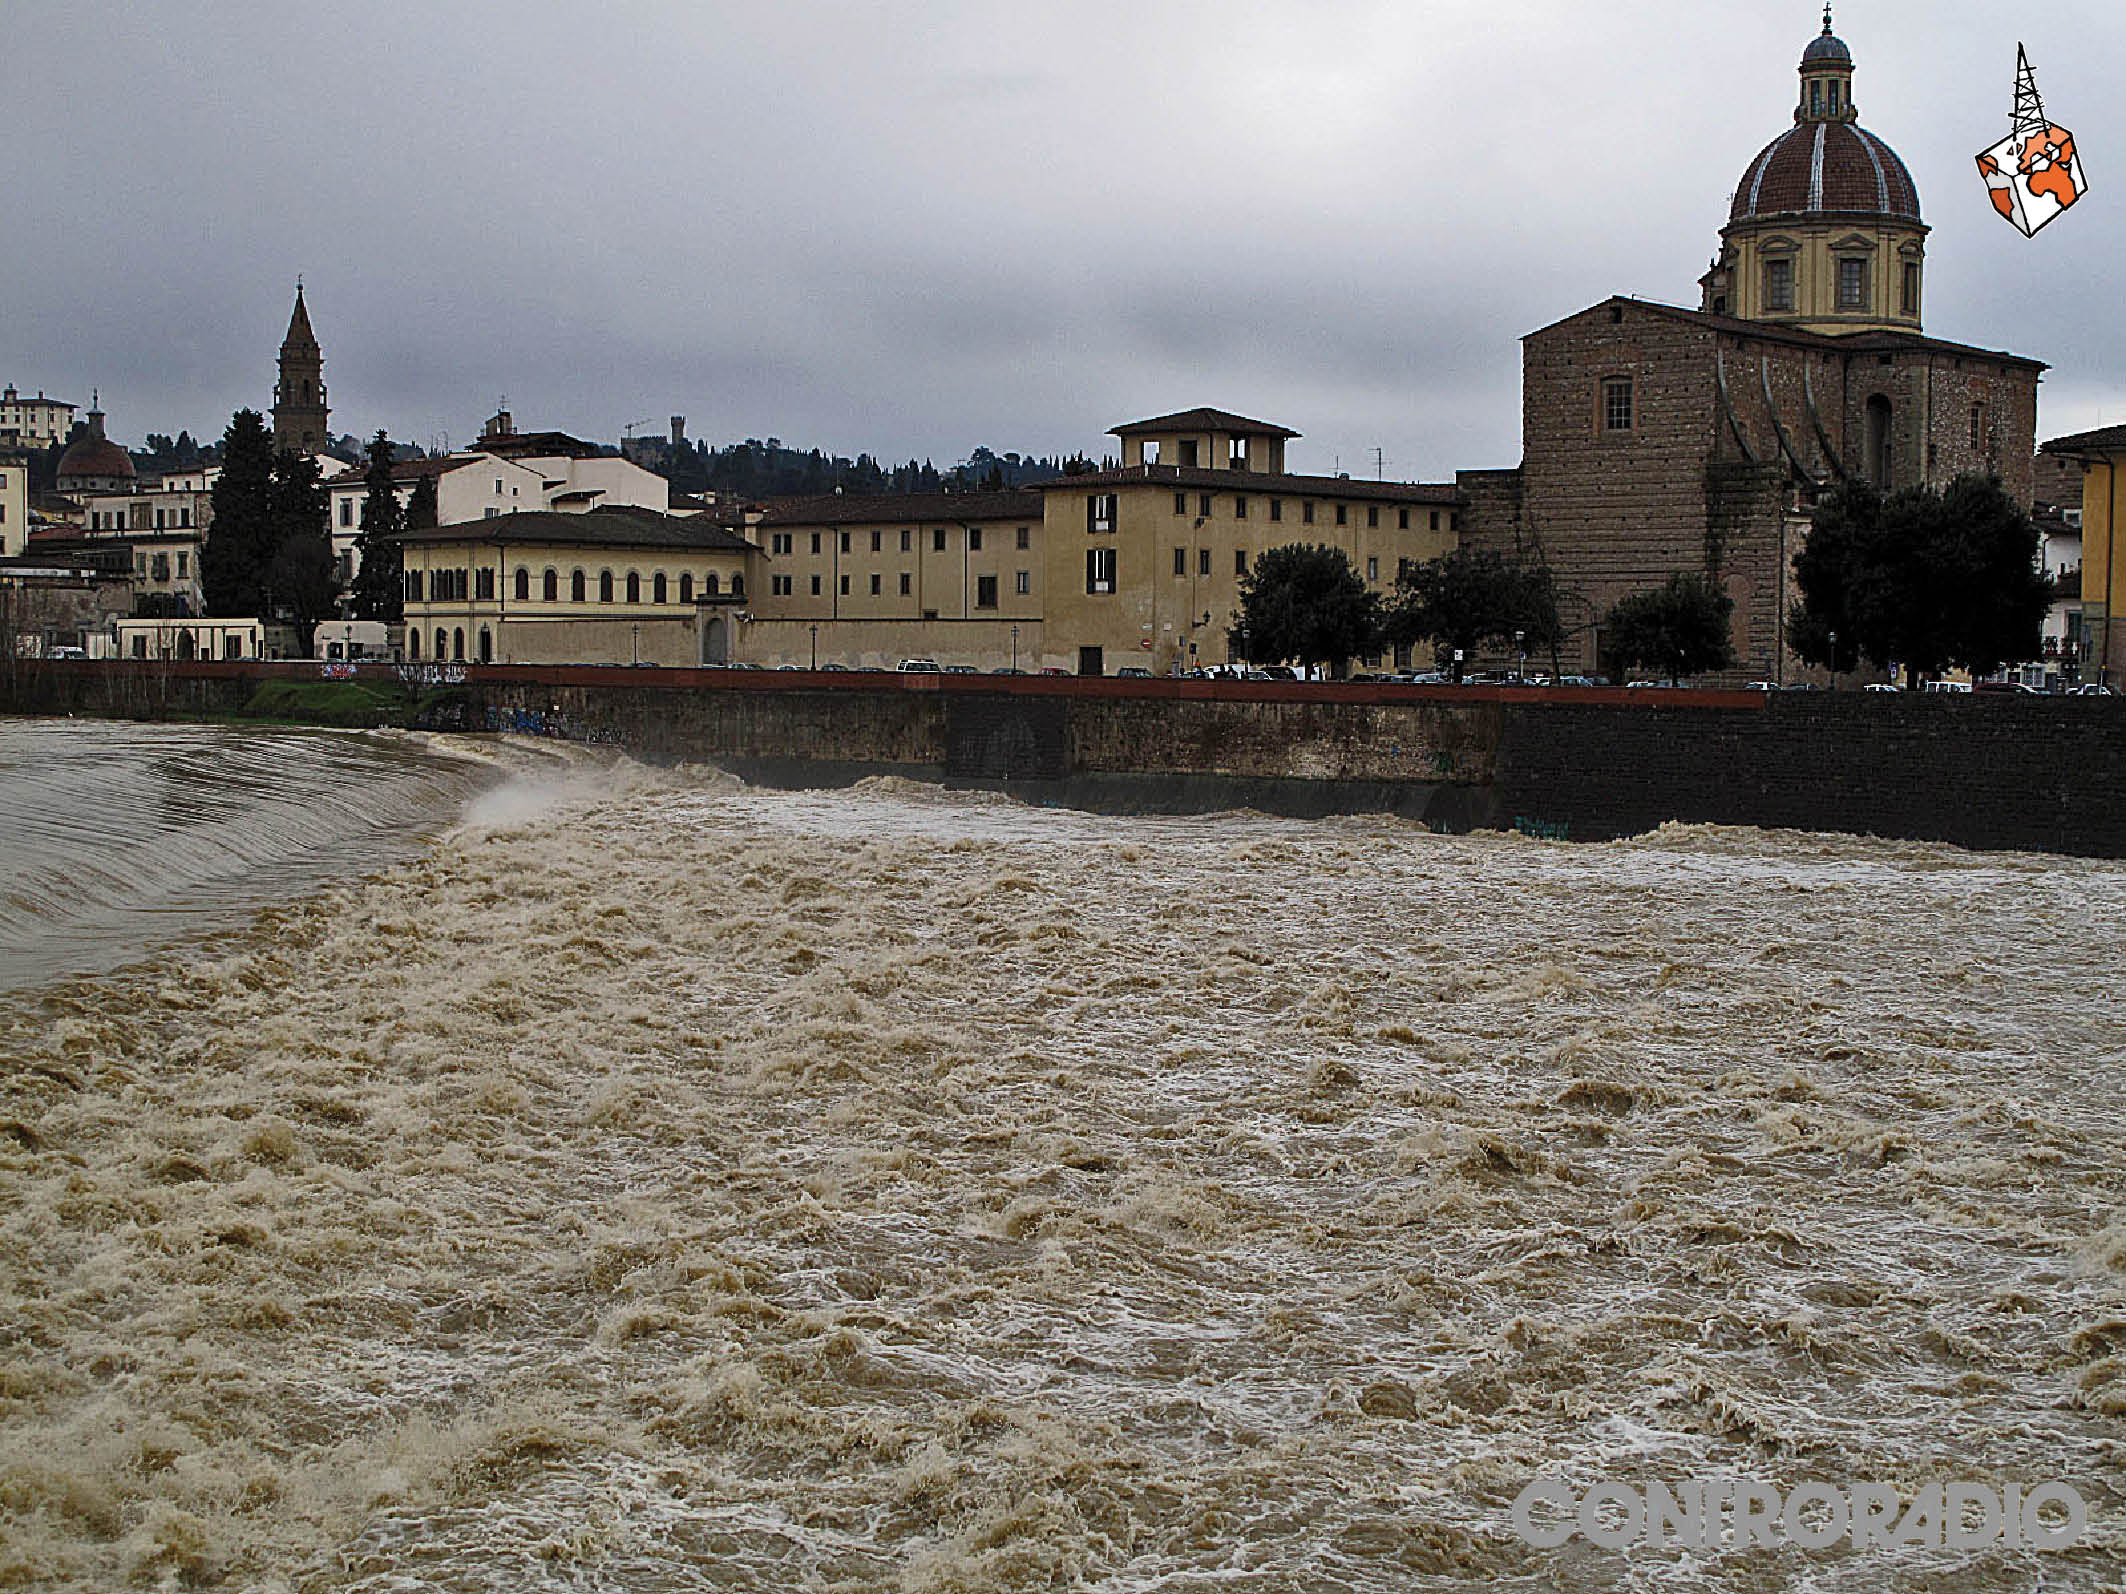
[1826, 46]
[94, 458]
[1826, 166]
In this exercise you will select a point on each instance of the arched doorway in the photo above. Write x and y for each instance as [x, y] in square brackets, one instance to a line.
[185, 645]
[716, 641]
[457, 645]
[487, 646]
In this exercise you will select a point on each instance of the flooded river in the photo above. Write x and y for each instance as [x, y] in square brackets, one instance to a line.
[656, 1184]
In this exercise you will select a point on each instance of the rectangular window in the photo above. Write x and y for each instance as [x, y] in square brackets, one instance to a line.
[1203, 561]
[1025, 538]
[1306, 512]
[1372, 569]
[159, 526]
[1342, 514]
[1022, 583]
[985, 592]
[1237, 453]
[1180, 561]
[1402, 520]
[974, 539]
[346, 511]
[1203, 505]
[815, 586]
[1240, 561]
[413, 586]
[184, 562]
[1911, 290]
[845, 586]
[1852, 284]
[779, 542]
[1372, 514]
[1616, 404]
[1188, 453]
[845, 542]
[498, 487]
[1240, 509]
[875, 584]
[1099, 570]
[1779, 285]
[1978, 425]
[184, 519]
[485, 582]
[1100, 512]
[1181, 503]
[937, 540]
[1277, 509]
[492, 513]
[877, 540]
[907, 541]
[906, 584]
[779, 586]
[1435, 520]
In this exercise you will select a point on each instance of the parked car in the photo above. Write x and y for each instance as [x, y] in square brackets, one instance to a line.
[1276, 672]
[2005, 689]
[72, 653]
[961, 669]
[1006, 669]
[1879, 686]
[920, 667]
[1133, 672]
[2093, 689]
[842, 667]
[1053, 669]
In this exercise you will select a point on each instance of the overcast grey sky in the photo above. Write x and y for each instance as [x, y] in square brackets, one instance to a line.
[915, 228]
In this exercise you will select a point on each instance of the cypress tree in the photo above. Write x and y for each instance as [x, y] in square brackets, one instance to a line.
[239, 546]
[421, 512]
[302, 586]
[379, 582]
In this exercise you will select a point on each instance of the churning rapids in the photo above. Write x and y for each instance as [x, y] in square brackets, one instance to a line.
[657, 1184]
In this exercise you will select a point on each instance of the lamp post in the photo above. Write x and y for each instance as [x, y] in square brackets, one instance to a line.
[1014, 649]
[815, 644]
[1520, 645]
[1834, 661]
[638, 643]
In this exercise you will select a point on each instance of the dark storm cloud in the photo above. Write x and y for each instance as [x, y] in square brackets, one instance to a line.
[918, 228]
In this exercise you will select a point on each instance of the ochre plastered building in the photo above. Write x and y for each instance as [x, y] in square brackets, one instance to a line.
[2097, 456]
[1659, 439]
[614, 586]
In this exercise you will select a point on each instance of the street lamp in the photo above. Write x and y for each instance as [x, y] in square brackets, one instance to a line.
[638, 644]
[1014, 650]
[815, 644]
[1834, 661]
[1520, 644]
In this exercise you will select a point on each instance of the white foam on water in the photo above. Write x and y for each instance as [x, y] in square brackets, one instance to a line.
[659, 1184]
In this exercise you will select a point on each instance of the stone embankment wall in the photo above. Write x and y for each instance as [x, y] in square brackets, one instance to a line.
[1978, 771]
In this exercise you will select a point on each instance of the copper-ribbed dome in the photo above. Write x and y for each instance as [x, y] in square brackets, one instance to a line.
[1826, 166]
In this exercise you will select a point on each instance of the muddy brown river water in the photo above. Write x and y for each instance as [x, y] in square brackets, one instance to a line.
[657, 1184]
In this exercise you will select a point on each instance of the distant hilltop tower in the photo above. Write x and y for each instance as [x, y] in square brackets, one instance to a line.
[299, 412]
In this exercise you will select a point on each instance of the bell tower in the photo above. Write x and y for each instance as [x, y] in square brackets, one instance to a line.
[299, 412]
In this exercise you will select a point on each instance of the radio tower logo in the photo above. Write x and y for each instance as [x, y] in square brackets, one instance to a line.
[2034, 173]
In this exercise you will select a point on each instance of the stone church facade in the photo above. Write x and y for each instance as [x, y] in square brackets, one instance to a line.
[1658, 439]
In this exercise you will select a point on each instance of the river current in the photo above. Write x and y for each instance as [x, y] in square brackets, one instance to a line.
[652, 1183]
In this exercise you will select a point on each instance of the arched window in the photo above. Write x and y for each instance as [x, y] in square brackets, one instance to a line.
[575, 587]
[605, 586]
[442, 645]
[709, 585]
[487, 646]
[1880, 448]
[634, 587]
[657, 593]
[738, 586]
[413, 643]
[523, 584]
[457, 645]
[552, 588]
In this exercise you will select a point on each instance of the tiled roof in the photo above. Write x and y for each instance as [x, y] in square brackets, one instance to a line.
[1836, 167]
[2104, 440]
[901, 509]
[1871, 342]
[1264, 484]
[1202, 420]
[618, 527]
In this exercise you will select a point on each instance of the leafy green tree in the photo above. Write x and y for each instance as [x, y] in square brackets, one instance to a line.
[1306, 603]
[1472, 598]
[1918, 577]
[239, 549]
[379, 582]
[1678, 629]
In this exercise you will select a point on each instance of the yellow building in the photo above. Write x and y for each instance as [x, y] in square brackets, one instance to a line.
[14, 504]
[2099, 454]
[869, 581]
[1143, 564]
[614, 586]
